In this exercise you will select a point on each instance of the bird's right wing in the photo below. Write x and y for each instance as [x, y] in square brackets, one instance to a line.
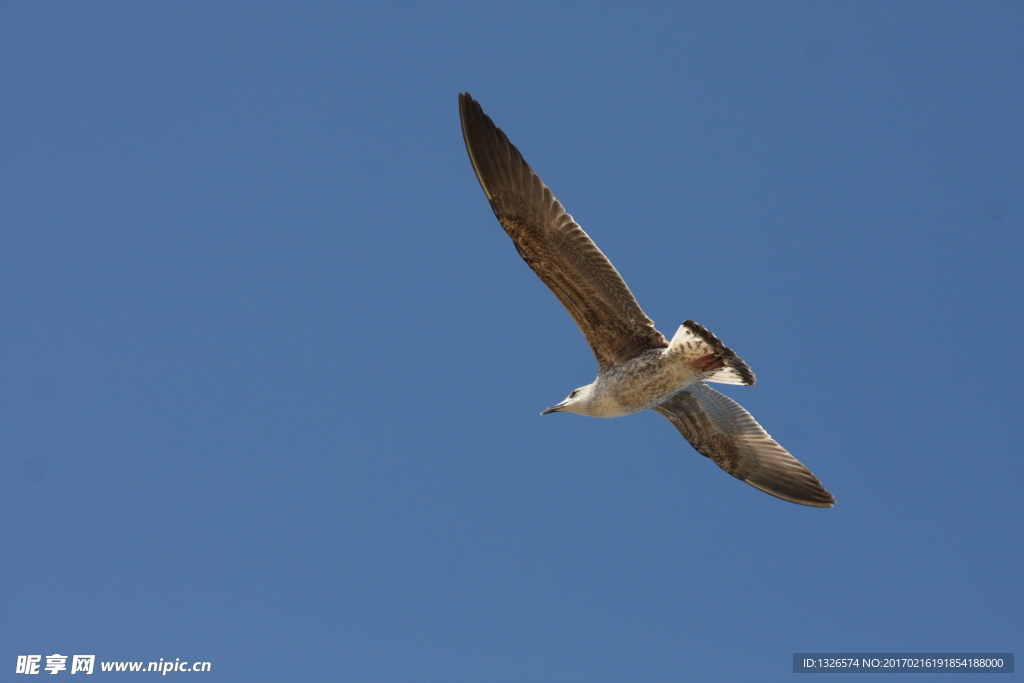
[721, 429]
[557, 249]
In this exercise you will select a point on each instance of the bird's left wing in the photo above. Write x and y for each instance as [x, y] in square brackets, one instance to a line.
[721, 429]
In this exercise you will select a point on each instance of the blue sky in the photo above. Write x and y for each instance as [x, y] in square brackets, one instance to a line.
[270, 371]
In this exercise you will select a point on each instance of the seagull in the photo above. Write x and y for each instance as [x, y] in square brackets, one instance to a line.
[638, 369]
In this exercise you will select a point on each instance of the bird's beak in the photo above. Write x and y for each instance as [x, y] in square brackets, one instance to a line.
[553, 409]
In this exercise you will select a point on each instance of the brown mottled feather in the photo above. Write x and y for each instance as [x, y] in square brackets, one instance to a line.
[721, 429]
[557, 249]
[722, 352]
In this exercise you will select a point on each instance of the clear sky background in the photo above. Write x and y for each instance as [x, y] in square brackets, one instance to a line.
[270, 370]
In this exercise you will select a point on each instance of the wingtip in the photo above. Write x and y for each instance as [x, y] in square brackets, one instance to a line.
[824, 501]
[808, 492]
[466, 104]
[815, 497]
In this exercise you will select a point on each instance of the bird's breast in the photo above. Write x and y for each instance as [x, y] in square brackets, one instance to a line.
[642, 382]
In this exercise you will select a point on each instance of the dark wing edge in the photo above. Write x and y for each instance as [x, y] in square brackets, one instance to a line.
[722, 430]
[554, 246]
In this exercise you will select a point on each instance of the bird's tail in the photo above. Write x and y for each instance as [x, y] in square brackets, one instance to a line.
[706, 352]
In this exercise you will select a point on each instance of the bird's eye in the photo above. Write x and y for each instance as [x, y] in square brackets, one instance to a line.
[574, 392]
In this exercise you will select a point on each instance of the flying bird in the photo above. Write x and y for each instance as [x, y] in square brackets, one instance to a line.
[638, 368]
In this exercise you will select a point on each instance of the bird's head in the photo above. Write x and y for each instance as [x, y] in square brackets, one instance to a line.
[576, 402]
